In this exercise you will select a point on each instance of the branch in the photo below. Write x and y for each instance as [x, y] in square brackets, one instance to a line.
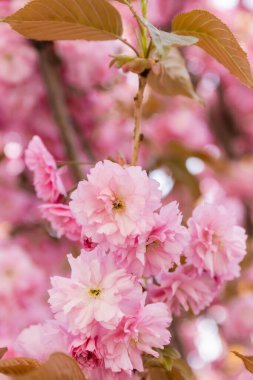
[49, 63]
[138, 105]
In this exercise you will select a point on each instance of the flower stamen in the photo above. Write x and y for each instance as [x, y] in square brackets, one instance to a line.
[95, 292]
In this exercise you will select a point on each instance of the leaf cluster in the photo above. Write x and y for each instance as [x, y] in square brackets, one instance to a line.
[99, 20]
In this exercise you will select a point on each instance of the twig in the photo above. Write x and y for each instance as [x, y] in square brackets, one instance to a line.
[70, 163]
[49, 69]
[138, 105]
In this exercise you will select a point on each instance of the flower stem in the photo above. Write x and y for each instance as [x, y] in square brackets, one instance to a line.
[138, 105]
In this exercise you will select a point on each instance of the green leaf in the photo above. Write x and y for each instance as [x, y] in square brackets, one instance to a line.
[163, 39]
[247, 361]
[170, 77]
[217, 40]
[92, 20]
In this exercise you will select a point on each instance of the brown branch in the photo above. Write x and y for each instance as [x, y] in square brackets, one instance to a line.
[138, 105]
[49, 65]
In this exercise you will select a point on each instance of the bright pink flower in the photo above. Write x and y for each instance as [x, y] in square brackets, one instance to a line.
[86, 353]
[135, 335]
[158, 249]
[62, 220]
[96, 292]
[217, 244]
[115, 203]
[166, 241]
[40, 341]
[184, 289]
[47, 181]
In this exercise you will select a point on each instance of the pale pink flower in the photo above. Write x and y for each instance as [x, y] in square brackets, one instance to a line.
[166, 241]
[145, 331]
[184, 289]
[115, 203]
[217, 244]
[97, 292]
[18, 61]
[20, 278]
[47, 181]
[40, 341]
[238, 325]
[158, 249]
[62, 220]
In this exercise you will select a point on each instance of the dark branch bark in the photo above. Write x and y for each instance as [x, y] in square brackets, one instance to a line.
[49, 65]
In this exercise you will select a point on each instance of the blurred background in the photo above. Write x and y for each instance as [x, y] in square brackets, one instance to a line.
[194, 152]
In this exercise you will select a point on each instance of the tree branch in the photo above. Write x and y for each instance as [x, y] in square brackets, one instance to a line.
[138, 105]
[49, 63]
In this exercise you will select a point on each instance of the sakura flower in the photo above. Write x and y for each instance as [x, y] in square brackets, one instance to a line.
[158, 249]
[238, 324]
[40, 341]
[47, 181]
[166, 241]
[86, 353]
[135, 335]
[19, 282]
[217, 244]
[97, 292]
[185, 289]
[62, 220]
[115, 203]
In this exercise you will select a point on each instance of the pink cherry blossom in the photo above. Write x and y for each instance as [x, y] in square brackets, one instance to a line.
[184, 289]
[137, 334]
[47, 181]
[217, 244]
[97, 292]
[22, 280]
[62, 220]
[115, 203]
[166, 241]
[238, 324]
[86, 353]
[158, 249]
[40, 341]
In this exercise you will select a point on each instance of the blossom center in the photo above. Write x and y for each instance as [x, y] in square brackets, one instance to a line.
[95, 292]
[118, 204]
[153, 245]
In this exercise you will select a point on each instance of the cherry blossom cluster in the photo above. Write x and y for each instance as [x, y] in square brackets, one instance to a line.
[138, 265]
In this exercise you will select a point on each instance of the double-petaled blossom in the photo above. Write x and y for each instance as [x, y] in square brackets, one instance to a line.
[217, 245]
[115, 203]
[166, 241]
[47, 180]
[141, 333]
[20, 282]
[86, 353]
[160, 248]
[96, 292]
[42, 340]
[184, 289]
[62, 220]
